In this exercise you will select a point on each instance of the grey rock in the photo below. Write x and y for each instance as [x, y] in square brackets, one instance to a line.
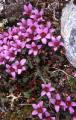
[68, 31]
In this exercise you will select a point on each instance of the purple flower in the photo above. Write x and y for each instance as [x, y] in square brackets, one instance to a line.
[57, 102]
[19, 45]
[11, 70]
[48, 116]
[55, 42]
[10, 55]
[47, 89]
[43, 35]
[70, 104]
[39, 109]
[16, 68]
[48, 24]
[22, 23]
[1, 36]
[27, 9]
[13, 31]
[32, 26]
[37, 15]
[33, 48]
[22, 36]
[20, 66]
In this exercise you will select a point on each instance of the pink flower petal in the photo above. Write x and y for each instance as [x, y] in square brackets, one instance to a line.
[19, 71]
[59, 37]
[43, 86]
[61, 43]
[57, 108]
[49, 85]
[68, 98]
[23, 68]
[50, 44]
[47, 114]
[30, 6]
[45, 30]
[52, 101]
[30, 52]
[33, 44]
[16, 63]
[48, 36]
[58, 97]
[38, 31]
[41, 12]
[34, 112]
[35, 53]
[43, 93]
[52, 89]
[32, 16]
[74, 104]
[28, 46]
[53, 38]
[55, 48]
[52, 30]
[74, 118]
[29, 31]
[29, 22]
[44, 110]
[37, 37]
[48, 24]
[39, 46]
[35, 11]
[23, 61]
[44, 40]
[71, 110]
[25, 8]
[63, 104]
[40, 115]
[13, 74]
[23, 21]
[41, 103]
[49, 95]
[34, 106]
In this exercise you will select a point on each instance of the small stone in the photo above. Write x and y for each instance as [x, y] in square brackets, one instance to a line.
[1, 25]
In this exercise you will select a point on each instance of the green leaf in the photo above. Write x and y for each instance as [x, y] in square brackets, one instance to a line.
[72, 82]
[27, 94]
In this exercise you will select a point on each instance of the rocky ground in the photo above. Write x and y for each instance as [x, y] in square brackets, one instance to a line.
[17, 96]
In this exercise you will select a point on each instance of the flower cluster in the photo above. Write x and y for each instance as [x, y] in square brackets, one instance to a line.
[16, 67]
[32, 33]
[41, 111]
[56, 100]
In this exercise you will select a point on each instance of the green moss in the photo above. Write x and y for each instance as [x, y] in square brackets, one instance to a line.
[19, 114]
